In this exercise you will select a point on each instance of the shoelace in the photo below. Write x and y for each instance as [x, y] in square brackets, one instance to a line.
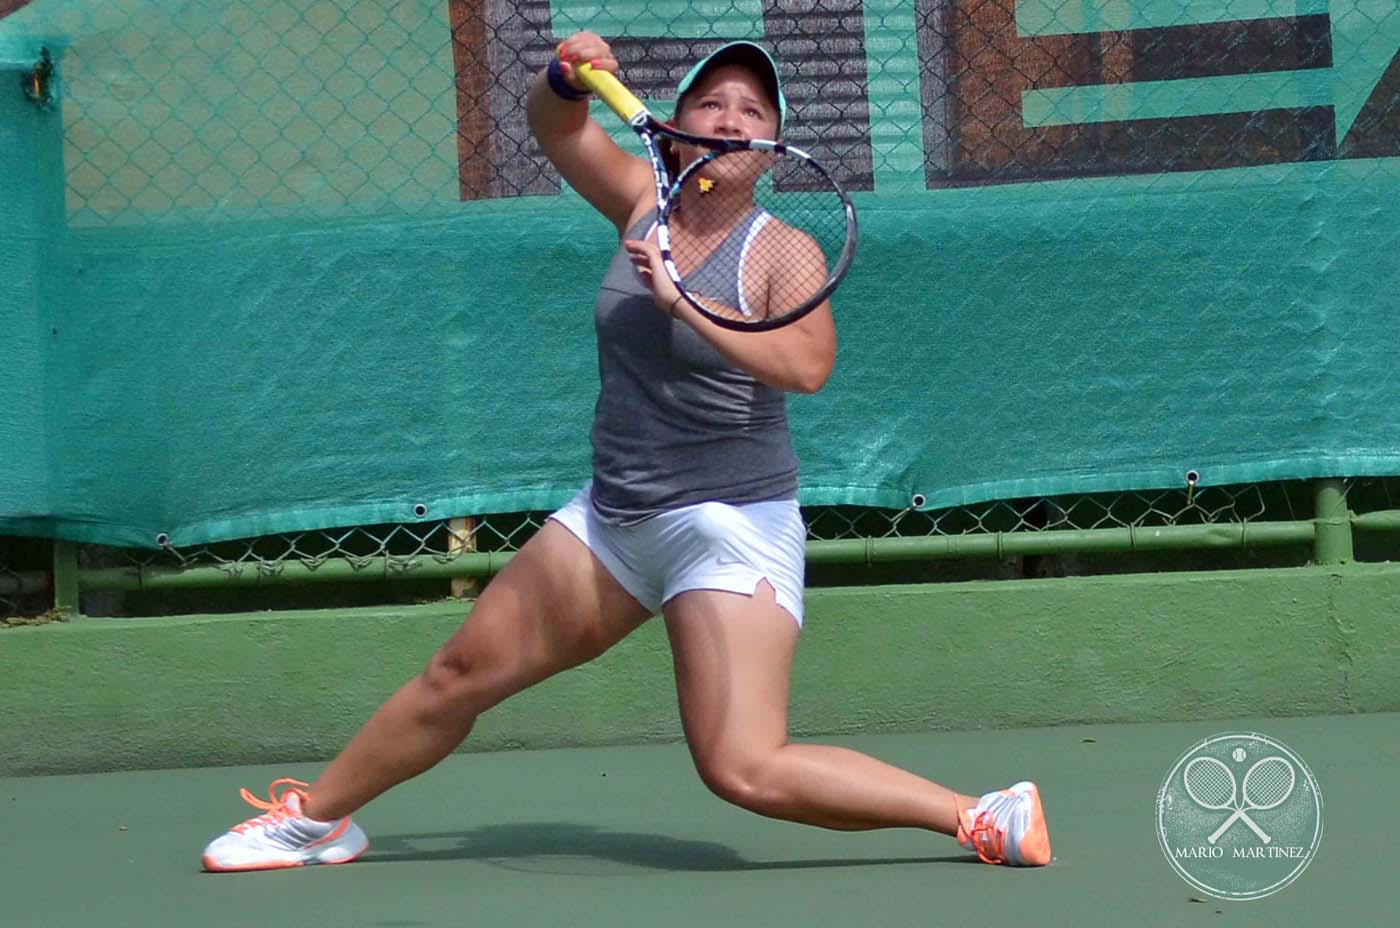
[988, 840]
[275, 806]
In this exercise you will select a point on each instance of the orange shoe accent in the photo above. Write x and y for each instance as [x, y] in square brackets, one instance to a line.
[986, 839]
[276, 806]
[286, 801]
[335, 833]
[980, 830]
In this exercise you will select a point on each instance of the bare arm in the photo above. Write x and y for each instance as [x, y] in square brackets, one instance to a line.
[798, 358]
[611, 180]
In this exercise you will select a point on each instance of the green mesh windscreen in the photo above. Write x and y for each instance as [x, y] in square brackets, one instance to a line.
[31, 190]
[284, 264]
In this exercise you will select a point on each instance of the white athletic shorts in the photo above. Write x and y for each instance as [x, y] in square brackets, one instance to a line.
[708, 546]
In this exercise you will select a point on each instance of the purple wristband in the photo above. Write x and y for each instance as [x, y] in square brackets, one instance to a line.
[561, 88]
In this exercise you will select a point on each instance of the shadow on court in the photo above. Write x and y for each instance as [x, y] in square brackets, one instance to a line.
[560, 847]
[624, 836]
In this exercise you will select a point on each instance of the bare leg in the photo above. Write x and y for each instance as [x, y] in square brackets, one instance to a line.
[733, 656]
[553, 607]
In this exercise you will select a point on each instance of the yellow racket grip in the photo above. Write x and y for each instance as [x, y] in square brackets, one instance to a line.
[610, 90]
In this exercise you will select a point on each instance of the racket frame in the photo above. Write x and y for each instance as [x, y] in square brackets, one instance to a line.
[1228, 803]
[1232, 803]
[648, 128]
[1247, 805]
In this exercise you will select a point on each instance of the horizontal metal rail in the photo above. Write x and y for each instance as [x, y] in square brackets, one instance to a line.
[1384, 520]
[1123, 540]
[851, 551]
[331, 570]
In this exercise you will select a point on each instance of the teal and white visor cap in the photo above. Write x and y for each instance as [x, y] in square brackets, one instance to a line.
[752, 56]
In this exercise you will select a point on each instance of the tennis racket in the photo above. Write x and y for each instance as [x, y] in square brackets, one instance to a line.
[1211, 785]
[764, 207]
[1266, 785]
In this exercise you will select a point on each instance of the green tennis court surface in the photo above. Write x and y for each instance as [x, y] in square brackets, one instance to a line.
[628, 836]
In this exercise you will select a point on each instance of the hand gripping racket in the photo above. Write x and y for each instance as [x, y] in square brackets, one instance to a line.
[767, 210]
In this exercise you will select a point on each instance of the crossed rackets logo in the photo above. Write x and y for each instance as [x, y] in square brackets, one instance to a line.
[1212, 785]
[1220, 787]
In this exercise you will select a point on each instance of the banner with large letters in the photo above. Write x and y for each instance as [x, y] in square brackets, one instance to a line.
[290, 264]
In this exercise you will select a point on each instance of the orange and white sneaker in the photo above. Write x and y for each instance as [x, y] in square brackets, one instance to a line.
[1007, 827]
[282, 836]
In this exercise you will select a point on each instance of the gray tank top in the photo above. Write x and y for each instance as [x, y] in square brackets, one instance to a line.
[676, 423]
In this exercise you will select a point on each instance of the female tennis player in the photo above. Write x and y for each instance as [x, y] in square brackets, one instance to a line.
[691, 513]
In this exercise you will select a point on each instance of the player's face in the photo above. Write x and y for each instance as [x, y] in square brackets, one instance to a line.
[729, 102]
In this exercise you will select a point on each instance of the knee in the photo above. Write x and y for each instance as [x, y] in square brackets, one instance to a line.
[456, 680]
[447, 670]
[742, 781]
[488, 662]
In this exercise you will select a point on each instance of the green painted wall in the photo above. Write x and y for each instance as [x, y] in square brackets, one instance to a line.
[194, 691]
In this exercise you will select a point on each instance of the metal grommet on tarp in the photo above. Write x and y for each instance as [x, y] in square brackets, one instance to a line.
[37, 82]
[1192, 478]
[163, 542]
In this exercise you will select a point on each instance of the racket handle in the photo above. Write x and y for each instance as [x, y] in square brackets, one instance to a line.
[610, 90]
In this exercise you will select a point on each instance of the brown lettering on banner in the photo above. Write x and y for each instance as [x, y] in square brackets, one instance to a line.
[1376, 131]
[497, 49]
[468, 23]
[975, 67]
[820, 49]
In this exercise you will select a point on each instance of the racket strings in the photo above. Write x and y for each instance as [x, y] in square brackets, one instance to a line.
[775, 226]
[1269, 783]
[805, 201]
[1212, 785]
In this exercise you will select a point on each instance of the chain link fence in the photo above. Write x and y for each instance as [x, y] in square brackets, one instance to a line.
[378, 564]
[403, 544]
[383, 563]
[196, 112]
[319, 107]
